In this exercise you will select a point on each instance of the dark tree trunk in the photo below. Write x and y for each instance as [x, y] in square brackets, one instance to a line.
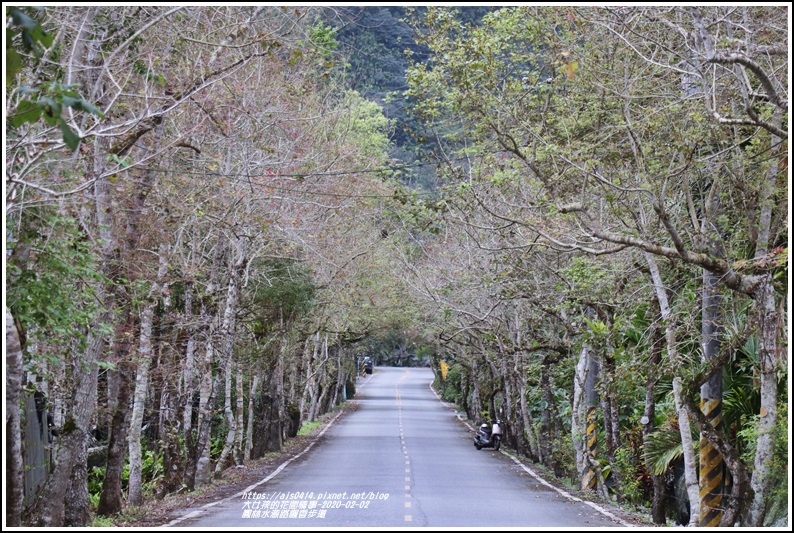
[110, 501]
[170, 433]
[611, 422]
[659, 498]
[546, 430]
[64, 499]
[59, 503]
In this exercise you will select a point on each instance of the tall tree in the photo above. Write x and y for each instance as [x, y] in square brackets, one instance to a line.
[581, 123]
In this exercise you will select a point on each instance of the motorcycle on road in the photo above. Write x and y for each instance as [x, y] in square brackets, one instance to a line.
[489, 437]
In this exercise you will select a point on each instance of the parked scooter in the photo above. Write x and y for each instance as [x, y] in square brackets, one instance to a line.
[489, 437]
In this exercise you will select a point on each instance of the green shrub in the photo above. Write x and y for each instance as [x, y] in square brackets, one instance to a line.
[450, 389]
[631, 486]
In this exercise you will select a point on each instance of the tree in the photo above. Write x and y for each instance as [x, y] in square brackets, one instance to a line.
[124, 205]
[599, 171]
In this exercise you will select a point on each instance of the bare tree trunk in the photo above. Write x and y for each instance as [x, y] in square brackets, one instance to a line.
[658, 512]
[320, 389]
[62, 501]
[238, 441]
[529, 424]
[231, 421]
[145, 356]
[171, 438]
[690, 472]
[308, 395]
[64, 498]
[476, 403]
[508, 402]
[313, 378]
[14, 463]
[134, 493]
[111, 498]
[268, 434]
[196, 465]
[764, 448]
[768, 317]
[583, 421]
[318, 405]
[276, 440]
[226, 343]
[611, 415]
[767, 200]
[188, 373]
[340, 381]
[546, 428]
[578, 407]
[249, 430]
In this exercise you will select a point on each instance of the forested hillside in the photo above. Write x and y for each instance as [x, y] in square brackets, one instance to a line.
[577, 216]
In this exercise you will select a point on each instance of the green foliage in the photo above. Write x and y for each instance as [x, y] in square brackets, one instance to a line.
[324, 38]
[748, 433]
[308, 427]
[741, 399]
[140, 67]
[777, 507]
[217, 443]
[48, 102]
[663, 447]
[419, 214]
[151, 470]
[364, 125]
[50, 282]
[626, 466]
[283, 291]
[587, 279]
[26, 29]
[151, 474]
[96, 476]
[450, 389]
[102, 521]
[563, 457]
[597, 327]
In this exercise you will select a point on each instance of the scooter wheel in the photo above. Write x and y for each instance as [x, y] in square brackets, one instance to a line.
[477, 446]
[497, 443]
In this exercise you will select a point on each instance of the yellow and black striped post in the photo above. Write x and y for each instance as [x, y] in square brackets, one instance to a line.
[589, 480]
[712, 467]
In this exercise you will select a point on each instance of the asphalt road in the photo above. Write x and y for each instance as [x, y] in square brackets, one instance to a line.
[402, 459]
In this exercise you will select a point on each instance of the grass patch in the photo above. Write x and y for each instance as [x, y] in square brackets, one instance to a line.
[308, 427]
[127, 516]
[101, 521]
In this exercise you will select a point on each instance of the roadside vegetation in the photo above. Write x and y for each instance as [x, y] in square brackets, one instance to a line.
[577, 216]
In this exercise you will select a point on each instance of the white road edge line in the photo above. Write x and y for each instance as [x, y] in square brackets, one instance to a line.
[251, 487]
[537, 476]
[265, 480]
[566, 494]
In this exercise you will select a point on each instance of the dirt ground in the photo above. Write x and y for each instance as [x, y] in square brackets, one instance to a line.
[154, 513]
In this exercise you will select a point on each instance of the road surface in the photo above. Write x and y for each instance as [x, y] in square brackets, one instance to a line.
[402, 459]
